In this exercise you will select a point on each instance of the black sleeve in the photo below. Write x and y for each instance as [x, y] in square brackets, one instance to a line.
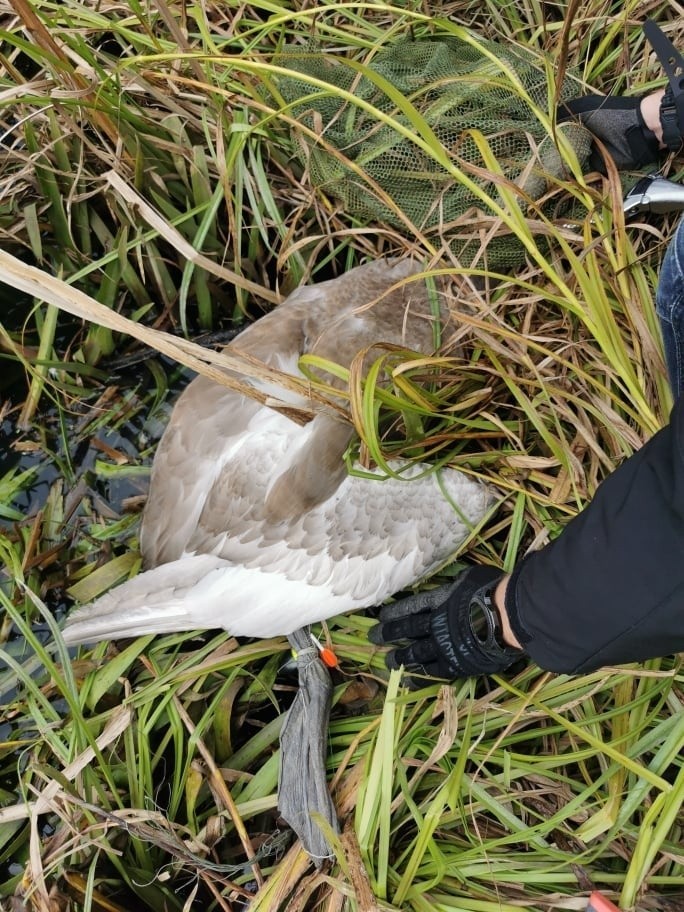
[610, 588]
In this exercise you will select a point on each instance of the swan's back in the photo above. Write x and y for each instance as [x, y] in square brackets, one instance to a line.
[207, 432]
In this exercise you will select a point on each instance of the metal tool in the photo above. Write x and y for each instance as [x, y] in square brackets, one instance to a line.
[654, 194]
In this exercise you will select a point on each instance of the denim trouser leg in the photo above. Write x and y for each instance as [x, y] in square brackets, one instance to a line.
[670, 309]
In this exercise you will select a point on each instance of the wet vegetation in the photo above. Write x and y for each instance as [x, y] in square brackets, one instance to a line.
[151, 197]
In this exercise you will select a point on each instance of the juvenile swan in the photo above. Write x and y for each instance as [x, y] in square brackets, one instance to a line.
[252, 522]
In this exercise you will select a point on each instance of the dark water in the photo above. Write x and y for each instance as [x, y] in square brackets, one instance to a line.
[69, 445]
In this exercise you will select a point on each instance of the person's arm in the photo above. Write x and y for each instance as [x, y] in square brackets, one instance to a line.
[608, 590]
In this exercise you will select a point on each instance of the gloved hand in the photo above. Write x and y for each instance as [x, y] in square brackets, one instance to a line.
[618, 123]
[450, 632]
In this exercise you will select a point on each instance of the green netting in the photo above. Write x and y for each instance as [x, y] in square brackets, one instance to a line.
[457, 88]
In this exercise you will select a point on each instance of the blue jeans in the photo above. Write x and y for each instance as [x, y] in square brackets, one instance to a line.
[670, 309]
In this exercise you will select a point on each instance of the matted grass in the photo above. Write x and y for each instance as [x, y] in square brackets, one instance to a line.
[147, 164]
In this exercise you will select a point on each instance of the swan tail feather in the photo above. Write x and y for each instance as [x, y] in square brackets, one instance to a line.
[165, 599]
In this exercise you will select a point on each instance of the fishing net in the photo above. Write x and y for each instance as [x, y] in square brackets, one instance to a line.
[458, 87]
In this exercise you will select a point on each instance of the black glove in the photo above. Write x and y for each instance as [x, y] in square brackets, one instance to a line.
[618, 123]
[451, 632]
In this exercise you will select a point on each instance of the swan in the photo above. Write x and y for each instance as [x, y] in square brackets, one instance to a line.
[252, 522]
